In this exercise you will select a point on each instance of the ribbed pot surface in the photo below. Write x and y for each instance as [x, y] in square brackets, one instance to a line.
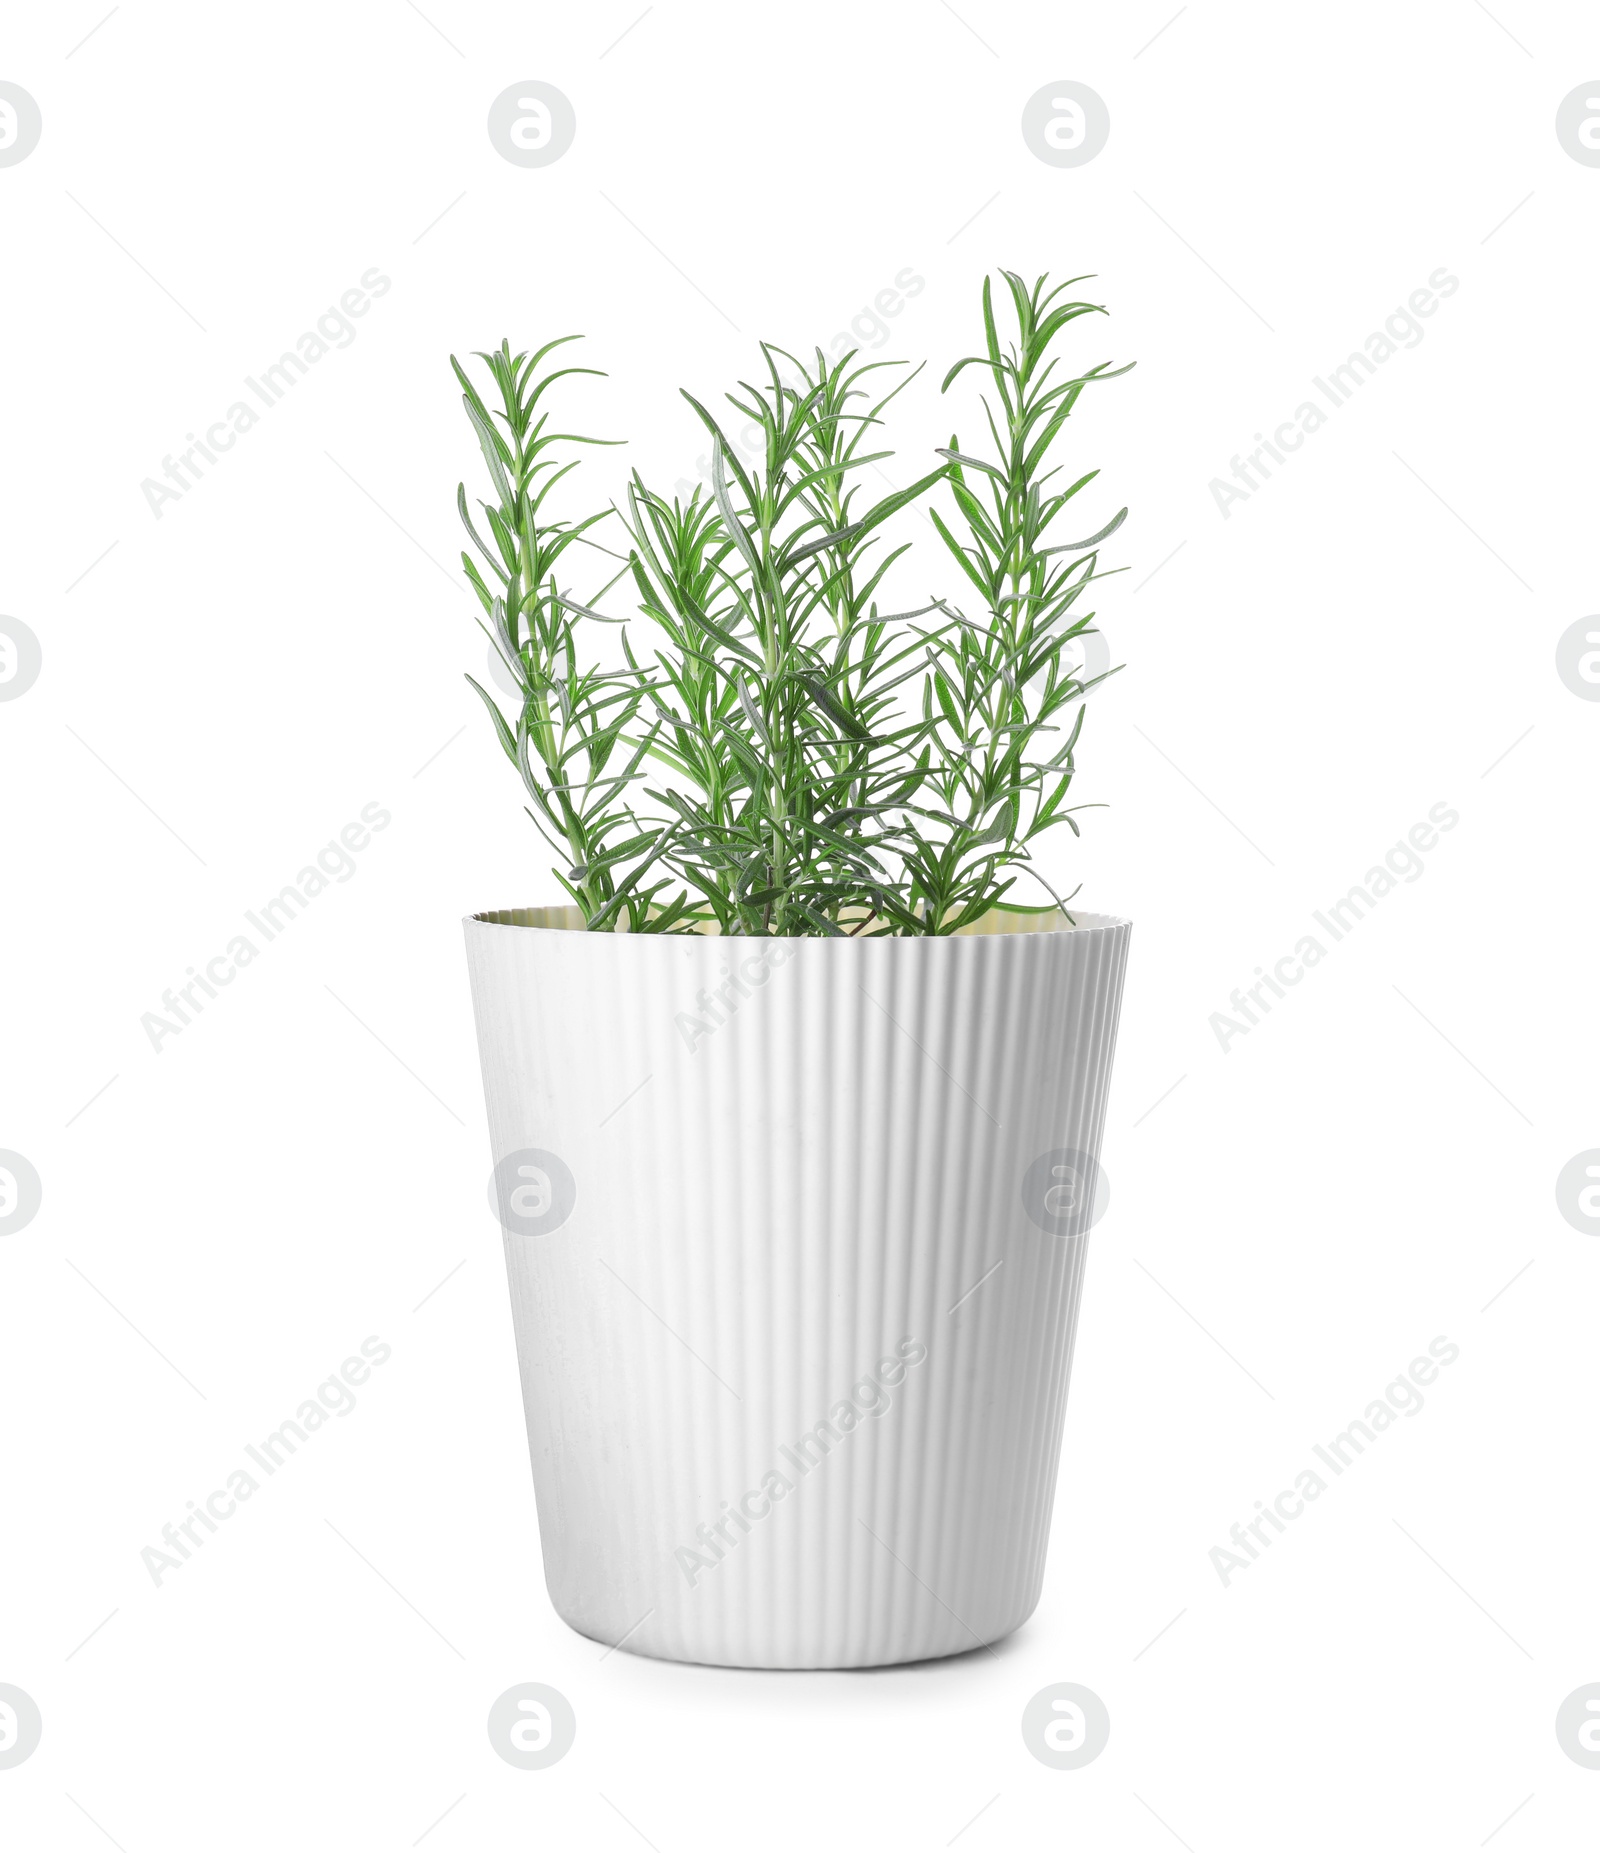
[795, 1232]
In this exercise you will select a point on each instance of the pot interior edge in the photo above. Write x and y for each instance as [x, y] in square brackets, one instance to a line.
[569, 919]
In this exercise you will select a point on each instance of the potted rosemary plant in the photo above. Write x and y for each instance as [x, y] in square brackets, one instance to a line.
[795, 1098]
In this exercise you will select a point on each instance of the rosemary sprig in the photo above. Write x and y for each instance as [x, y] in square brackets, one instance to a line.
[784, 758]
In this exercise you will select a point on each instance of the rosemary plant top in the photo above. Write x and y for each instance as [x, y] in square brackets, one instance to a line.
[780, 757]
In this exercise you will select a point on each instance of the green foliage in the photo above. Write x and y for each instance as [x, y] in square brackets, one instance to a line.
[829, 768]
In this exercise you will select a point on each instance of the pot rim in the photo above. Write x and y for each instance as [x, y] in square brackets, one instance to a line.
[993, 925]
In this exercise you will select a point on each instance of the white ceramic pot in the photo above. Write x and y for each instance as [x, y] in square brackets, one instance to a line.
[795, 1232]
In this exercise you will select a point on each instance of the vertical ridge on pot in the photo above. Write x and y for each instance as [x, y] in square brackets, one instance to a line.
[795, 1355]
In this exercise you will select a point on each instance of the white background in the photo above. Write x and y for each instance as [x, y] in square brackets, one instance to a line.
[1370, 634]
